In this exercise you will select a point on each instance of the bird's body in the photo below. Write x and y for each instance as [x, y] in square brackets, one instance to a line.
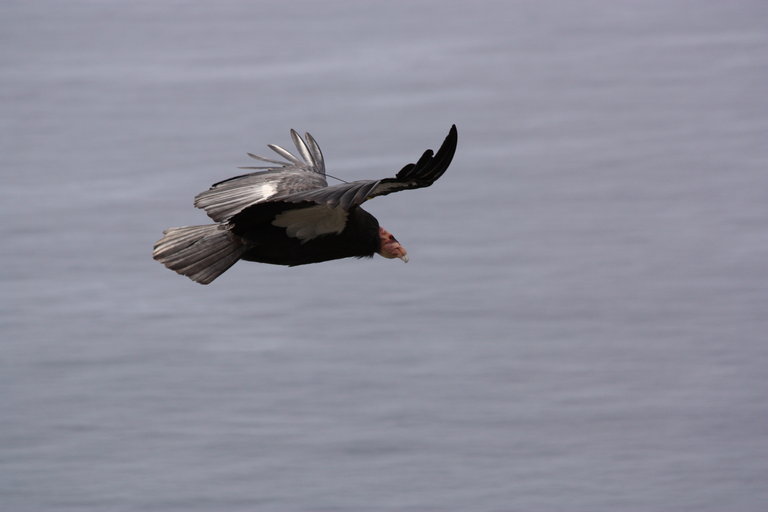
[286, 214]
[359, 238]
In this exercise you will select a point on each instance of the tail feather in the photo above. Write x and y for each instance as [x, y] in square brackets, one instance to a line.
[202, 253]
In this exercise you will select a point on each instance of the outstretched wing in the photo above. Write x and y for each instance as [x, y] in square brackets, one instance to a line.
[229, 197]
[346, 195]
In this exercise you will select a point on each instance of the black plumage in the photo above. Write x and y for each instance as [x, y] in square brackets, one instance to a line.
[286, 214]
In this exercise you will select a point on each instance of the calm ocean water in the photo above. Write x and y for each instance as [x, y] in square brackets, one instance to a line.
[582, 325]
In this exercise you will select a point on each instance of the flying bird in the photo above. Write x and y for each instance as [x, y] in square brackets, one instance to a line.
[286, 214]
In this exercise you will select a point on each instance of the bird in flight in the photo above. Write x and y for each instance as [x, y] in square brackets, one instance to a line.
[286, 214]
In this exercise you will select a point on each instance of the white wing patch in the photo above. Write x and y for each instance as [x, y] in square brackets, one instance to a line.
[230, 198]
[266, 191]
[308, 223]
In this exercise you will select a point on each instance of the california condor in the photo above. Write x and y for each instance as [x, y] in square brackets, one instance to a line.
[286, 214]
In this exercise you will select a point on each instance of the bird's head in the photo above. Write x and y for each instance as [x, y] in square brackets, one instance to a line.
[390, 247]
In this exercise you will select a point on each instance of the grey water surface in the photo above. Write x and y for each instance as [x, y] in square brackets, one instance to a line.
[583, 324]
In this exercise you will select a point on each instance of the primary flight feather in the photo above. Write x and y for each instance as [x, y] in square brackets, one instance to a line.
[286, 214]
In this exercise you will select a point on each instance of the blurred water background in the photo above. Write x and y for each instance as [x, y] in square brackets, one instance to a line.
[582, 325]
